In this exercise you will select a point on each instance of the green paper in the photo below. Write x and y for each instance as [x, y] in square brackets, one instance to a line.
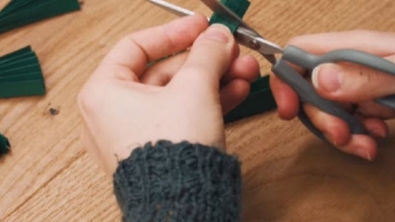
[12, 64]
[15, 55]
[239, 7]
[13, 6]
[4, 145]
[21, 74]
[19, 78]
[19, 13]
[22, 88]
[32, 68]
[259, 100]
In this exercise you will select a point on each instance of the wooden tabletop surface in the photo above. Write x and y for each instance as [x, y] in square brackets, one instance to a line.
[289, 175]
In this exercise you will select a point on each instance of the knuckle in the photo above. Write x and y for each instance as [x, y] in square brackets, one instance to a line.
[370, 78]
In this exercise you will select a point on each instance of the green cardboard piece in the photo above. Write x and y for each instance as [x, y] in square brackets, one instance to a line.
[19, 13]
[4, 145]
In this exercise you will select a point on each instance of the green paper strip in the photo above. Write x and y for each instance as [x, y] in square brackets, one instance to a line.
[19, 13]
[259, 100]
[4, 145]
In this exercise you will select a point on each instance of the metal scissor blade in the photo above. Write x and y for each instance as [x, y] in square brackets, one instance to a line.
[172, 8]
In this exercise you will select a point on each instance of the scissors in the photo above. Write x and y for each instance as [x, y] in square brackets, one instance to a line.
[248, 37]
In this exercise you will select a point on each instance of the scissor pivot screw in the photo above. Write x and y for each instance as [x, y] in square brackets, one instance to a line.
[254, 44]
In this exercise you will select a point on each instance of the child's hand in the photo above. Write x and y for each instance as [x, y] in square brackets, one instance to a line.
[124, 104]
[354, 86]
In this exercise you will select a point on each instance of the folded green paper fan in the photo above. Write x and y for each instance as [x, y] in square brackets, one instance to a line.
[21, 74]
[19, 13]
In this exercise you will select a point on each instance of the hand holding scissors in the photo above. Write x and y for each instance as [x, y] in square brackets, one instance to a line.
[247, 36]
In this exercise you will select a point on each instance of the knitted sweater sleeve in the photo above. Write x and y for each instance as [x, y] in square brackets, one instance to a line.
[173, 182]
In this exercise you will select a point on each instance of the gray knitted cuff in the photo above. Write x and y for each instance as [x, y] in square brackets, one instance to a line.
[178, 182]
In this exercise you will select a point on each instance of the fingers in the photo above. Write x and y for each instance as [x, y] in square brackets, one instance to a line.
[136, 50]
[352, 83]
[373, 109]
[233, 94]
[377, 127]
[338, 133]
[375, 42]
[344, 83]
[325, 42]
[209, 59]
[286, 98]
[334, 129]
[161, 73]
[244, 67]
[362, 146]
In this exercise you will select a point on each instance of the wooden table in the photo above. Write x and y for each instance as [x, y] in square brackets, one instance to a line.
[289, 175]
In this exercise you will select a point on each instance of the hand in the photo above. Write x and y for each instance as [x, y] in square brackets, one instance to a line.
[124, 104]
[353, 86]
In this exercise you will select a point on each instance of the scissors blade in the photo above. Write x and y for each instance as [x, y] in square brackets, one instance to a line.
[243, 35]
[177, 10]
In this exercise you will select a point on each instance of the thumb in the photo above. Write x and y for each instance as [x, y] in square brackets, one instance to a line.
[351, 83]
[208, 60]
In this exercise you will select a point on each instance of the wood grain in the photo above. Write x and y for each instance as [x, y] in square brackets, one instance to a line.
[289, 175]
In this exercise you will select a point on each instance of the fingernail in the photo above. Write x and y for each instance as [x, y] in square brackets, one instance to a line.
[327, 77]
[378, 133]
[363, 153]
[329, 138]
[217, 32]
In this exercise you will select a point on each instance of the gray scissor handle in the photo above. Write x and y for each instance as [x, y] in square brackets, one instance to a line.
[307, 94]
[309, 61]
